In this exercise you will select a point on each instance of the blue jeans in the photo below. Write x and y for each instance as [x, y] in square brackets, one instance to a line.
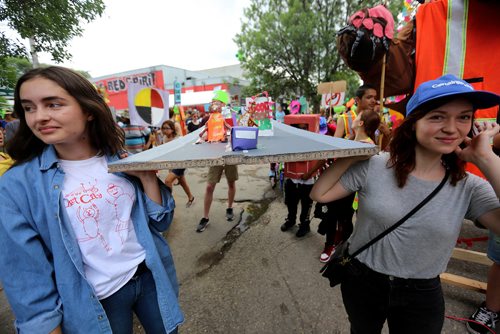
[494, 248]
[410, 306]
[139, 296]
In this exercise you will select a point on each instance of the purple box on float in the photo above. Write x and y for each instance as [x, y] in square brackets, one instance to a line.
[244, 138]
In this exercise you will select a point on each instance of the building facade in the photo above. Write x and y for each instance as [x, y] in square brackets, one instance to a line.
[196, 87]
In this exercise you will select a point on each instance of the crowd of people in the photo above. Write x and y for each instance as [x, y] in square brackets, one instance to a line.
[81, 249]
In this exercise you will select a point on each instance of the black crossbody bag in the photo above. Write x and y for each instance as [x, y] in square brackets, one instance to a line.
[341, 264]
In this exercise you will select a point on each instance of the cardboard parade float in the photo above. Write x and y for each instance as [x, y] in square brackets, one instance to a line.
[260, 110]
[286, 144]
[457, 37]
[267, 142]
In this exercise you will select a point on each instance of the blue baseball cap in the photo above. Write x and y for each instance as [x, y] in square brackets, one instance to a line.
[449, 85]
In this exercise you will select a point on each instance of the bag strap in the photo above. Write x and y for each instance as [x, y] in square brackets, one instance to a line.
[405, 218]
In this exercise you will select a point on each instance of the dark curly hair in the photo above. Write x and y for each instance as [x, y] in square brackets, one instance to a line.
[104, 133]
[404, 141]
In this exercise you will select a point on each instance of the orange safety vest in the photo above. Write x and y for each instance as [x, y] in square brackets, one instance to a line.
[460, 37]
[215, 127]
[348, 118]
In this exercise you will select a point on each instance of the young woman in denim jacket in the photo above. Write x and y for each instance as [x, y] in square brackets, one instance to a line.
[398, 276]
[81, 249]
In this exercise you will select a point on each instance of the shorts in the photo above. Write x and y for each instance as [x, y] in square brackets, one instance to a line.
[215, 173]
[178, 171]
[494, 248]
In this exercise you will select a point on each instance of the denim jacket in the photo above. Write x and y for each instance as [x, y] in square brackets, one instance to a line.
[41, 266]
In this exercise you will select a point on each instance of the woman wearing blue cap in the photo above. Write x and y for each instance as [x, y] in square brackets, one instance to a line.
[398, 276]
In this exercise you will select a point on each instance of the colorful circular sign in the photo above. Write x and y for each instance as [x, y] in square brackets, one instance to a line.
[149, 105]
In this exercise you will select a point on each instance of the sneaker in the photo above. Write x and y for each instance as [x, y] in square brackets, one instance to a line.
[483, 321]
[327, 253]
[202, 225]
[303, 230]
[287, 225]
[229, 214]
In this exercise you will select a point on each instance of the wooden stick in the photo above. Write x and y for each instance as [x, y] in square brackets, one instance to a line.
[381, 111]
[471, 256]
[330, 104]
[382, 84]
[464, 282]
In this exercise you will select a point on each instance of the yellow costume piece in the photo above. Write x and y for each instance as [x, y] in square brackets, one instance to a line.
[5, 163]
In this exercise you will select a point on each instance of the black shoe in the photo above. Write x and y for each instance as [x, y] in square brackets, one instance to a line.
[287, 225]
[202, 225]
[303, 230]
[484, 321]
[229, 214]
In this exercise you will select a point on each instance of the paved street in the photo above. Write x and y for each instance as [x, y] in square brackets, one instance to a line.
[247, 276]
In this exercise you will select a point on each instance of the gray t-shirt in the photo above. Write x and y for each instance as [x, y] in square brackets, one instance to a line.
[421, 246]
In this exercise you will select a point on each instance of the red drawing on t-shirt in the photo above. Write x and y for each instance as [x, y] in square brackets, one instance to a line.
[89, 218]
[120, 202]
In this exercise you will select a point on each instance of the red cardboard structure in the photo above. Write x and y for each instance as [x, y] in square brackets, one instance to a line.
[295, 170]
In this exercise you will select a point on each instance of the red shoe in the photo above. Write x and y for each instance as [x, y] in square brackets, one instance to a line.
[327, 253]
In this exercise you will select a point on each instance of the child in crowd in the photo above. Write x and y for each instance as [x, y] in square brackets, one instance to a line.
[298, 185]
[166, 134]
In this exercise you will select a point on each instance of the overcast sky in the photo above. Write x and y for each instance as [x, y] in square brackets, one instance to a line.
[132, 34]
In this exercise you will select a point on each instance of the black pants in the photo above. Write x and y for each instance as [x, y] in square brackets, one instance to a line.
[337, 219]
[410, 306]
[295, 193]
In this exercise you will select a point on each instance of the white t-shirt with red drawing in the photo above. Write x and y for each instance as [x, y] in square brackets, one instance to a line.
[99, 205]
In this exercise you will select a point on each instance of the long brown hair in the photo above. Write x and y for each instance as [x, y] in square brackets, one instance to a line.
[104, 134]
[404, 141]
[371, 122]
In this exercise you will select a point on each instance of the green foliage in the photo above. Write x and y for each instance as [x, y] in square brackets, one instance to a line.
[3, 102]
[11, 68]
[51, 23]
[287, 47]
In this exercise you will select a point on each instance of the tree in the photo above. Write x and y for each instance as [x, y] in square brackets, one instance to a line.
[48, 24]
[12, 68]
[287, 47]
